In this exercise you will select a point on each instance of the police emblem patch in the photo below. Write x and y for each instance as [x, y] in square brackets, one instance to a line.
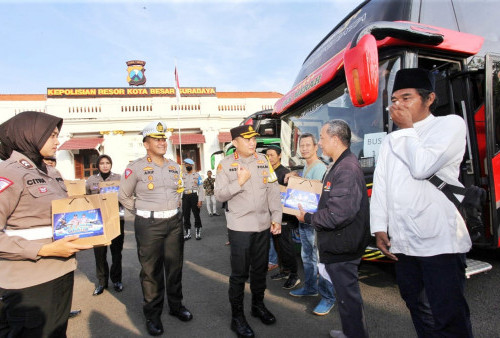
[128, 172]
[25, 164]
[5, 183]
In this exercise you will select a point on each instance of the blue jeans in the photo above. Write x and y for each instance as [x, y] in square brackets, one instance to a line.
[309, 255]
[273, 255]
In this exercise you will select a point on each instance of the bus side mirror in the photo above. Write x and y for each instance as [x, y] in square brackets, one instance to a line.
[361, 71]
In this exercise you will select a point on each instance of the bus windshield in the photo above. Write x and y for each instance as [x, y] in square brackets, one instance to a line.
[369, 124]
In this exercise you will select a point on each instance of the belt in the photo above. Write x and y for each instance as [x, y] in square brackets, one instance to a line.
[157, 214]
[31, 234]
[187, 192]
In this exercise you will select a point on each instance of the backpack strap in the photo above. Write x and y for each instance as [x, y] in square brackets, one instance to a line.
[448, 189]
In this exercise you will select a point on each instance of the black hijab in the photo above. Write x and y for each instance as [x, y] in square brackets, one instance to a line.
[27, 133]
[104, 175]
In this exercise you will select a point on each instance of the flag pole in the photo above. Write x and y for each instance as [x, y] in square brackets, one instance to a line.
[178, 97]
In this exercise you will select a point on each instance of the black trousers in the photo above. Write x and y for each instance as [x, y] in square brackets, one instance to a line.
[344, 277]
[433, 289]
[284, 248]
[190, 203]
[160, 247]
[37, 311]
[249, 257]
[101, 263]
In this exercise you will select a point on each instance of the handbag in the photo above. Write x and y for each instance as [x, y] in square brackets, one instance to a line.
[471, 207]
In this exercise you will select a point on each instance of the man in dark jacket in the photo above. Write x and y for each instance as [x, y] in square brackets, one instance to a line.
[343, 225]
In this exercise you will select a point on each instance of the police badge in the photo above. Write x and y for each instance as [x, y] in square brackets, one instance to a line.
[136, 71]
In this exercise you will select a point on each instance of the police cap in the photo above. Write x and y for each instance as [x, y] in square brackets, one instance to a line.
[155, 129]
[245, 131]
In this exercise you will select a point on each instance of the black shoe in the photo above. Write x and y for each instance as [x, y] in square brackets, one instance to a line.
[260, 311]
[280, 275]
[74, 313]
[183, 314]
[155, 328]
[99, 289]
[240, 326]
[118, 286]
[292, 281]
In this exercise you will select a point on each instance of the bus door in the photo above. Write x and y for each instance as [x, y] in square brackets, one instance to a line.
[492, 112]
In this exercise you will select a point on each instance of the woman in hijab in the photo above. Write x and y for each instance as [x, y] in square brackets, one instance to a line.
[36, 273]
[104, 164]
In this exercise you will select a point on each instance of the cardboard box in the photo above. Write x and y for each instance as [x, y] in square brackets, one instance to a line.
[109, 186]
[75, 187]
[94, 218]
[300, 190]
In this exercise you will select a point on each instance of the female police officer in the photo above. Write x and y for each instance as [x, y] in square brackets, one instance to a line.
[36, 273]
[104, 164]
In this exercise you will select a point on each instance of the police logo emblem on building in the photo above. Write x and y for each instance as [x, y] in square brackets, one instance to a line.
[136, 71]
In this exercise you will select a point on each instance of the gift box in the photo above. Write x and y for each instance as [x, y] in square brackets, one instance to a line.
[300, 191]
[95, 218]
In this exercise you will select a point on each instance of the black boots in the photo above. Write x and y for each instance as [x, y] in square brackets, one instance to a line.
[239, 323]
[259, 310]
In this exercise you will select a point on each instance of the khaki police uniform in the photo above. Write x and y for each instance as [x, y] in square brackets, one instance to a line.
[193, 192]
[250, 210]
[158, 230]
[26, 194]
[103, 272]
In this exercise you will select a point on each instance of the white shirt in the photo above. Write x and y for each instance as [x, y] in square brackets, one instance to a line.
[419, 219]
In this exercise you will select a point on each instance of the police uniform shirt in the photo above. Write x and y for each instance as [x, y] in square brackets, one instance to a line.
[156, 188]
[193, 181]
[92, 183]
[26, 195]
[254, 205]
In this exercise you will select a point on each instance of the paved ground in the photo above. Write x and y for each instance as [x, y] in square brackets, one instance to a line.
[205, 283]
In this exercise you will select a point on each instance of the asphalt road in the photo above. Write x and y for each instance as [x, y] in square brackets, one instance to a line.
[205, 283]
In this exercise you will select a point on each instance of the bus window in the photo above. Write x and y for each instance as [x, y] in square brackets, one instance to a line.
[441, 69]
[368, 124]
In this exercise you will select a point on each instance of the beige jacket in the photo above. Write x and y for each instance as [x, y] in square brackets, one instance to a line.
[26, 194]
[155, 188]
[254, 205]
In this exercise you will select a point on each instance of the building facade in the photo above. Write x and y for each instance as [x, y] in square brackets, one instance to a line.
[109, 121]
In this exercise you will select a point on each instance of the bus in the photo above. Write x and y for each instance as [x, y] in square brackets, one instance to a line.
[349, 75]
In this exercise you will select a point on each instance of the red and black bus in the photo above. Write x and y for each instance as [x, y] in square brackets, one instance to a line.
[350, 73]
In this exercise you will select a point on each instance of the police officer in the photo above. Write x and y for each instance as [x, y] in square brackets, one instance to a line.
[104, 164]
[157, 185]
[192, 198]
[36, 273]
[247, 182]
